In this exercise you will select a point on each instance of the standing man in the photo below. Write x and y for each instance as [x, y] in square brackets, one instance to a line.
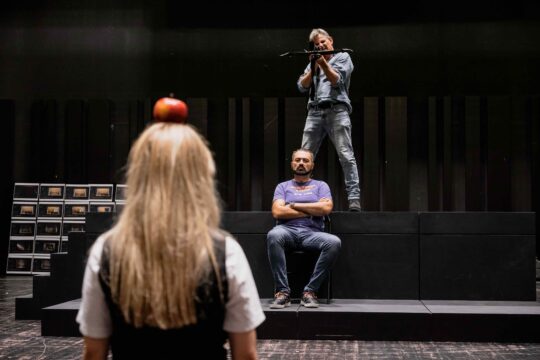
[329, 108]
[299, 205]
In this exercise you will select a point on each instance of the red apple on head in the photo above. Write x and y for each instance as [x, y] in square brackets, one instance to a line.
[169, 109]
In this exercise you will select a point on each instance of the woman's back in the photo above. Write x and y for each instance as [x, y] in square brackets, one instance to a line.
[163, 279]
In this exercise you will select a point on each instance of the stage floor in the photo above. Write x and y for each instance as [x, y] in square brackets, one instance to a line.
[21, 339]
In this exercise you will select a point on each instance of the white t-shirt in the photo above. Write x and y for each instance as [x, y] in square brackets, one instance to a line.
[243, 311]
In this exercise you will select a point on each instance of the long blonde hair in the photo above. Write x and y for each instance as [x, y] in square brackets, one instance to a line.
[161, 247]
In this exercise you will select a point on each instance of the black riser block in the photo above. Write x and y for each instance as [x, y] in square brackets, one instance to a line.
[374, 223]
[486, 328]
[400, 320]
[279, 324]
[59, 323]
[362, 326]
[477, 267]
[27, 308]
[372, 266]
[517, 223]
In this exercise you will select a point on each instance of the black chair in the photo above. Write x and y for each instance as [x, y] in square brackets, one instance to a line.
[300, 265]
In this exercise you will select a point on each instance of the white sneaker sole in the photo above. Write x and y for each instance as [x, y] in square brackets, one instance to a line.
[309, 305]
[275, 306]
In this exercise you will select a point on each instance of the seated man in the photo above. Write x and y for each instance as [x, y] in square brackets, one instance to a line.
[299, 205]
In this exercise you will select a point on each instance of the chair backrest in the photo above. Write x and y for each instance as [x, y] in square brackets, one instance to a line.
[327, 223]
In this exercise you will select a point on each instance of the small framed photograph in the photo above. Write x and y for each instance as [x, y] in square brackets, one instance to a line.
[22, 264]
[46, 247]
[78, 210]
[26, 191]
[52, 229]
[51, 191]
[101, 192]
[54, 191]
[80, 193]
[23, 210]
[42, 265]
[77, 192]
[26, 230]
[101, 207]
[23, 228]
[28, 210]
[75, 210]
[49, 228]
[53, 210]
[46, 264]
[72, 227]
[19, 265]
[50, 210]
[21, 246]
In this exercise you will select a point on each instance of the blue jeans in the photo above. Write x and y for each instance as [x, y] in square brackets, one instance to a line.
[336, 123]
[284, 238]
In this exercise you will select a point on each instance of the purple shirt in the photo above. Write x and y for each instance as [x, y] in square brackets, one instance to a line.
[309, 192]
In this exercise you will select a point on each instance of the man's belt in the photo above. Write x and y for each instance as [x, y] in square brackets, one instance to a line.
[322, 105]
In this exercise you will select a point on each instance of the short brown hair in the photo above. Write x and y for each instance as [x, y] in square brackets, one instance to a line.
[306, 150]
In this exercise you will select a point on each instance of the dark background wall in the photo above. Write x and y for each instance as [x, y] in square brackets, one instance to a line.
[446, 95]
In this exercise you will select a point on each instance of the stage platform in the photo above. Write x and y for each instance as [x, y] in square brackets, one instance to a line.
[400, 276]
[354, 319]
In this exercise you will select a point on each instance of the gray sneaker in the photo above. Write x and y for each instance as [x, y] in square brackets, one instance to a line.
[354, 205]
[309, 300]
[281, 300]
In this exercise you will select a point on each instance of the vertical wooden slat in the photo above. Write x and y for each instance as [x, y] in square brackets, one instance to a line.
[7, 109]
[396, 176]
[256, 151]
[458, 153]
[120, 140]
[498, 164]
[521, 154]
[370, 174]
[233, 143]
[418, 151]
[44, 135]
[434, 155]
[60, 146]
[245, 202]
[36, 119]
[215, 127]
[198, 114]
[447, 176]
[475, 192]
[137, 118]
[295, 118]
[99, 141]
[75, 141]
[271, 160]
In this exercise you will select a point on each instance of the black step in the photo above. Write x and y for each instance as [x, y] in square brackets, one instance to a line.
[385, 320]
[59, 320]
[27, 308]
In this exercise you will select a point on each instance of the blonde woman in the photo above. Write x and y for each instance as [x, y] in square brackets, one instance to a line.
[165, 281]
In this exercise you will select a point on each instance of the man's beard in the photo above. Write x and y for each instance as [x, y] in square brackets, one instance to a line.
[302, 172]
